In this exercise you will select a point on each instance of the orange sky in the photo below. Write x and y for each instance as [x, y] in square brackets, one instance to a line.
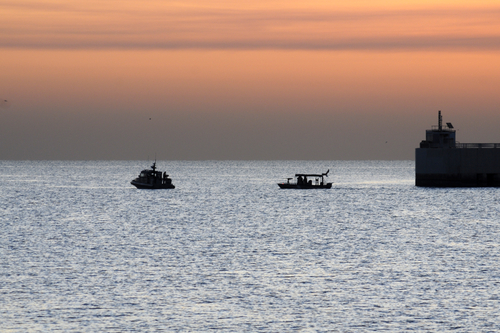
[328, 25]
[244, 80]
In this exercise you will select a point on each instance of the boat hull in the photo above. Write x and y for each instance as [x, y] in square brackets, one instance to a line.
[146, 186]
[304, 186]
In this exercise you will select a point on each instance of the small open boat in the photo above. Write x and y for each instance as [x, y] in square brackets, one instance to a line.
[152, 179]
[307, 181]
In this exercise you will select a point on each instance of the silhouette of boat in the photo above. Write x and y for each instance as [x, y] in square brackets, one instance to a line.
[307, 181]
[152, 179]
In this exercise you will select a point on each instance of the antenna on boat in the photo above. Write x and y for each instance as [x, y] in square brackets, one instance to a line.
[154, 164]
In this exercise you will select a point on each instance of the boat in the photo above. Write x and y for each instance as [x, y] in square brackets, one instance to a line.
[306, 181]
[152, 179]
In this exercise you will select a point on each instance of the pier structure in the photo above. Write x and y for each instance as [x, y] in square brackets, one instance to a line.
[441, 161]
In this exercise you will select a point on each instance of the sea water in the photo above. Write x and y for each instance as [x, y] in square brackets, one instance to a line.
[227, 250]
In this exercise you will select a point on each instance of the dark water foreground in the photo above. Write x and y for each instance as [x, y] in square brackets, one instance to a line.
[83, 250]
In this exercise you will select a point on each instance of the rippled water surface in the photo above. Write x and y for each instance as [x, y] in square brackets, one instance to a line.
[83, 250]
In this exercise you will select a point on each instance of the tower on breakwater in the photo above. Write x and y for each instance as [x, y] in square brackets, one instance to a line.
[441, 161]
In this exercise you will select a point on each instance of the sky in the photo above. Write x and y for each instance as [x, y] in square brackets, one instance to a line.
[244, 80]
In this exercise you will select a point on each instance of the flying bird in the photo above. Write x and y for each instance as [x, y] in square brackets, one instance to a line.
[4, 104]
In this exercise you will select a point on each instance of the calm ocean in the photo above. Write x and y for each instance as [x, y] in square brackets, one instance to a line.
[227, 250]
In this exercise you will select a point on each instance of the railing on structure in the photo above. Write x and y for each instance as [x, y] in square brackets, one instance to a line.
[477, 145]
[443, 128]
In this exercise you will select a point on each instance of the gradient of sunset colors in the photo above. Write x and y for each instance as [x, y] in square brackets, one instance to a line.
[244, 80]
